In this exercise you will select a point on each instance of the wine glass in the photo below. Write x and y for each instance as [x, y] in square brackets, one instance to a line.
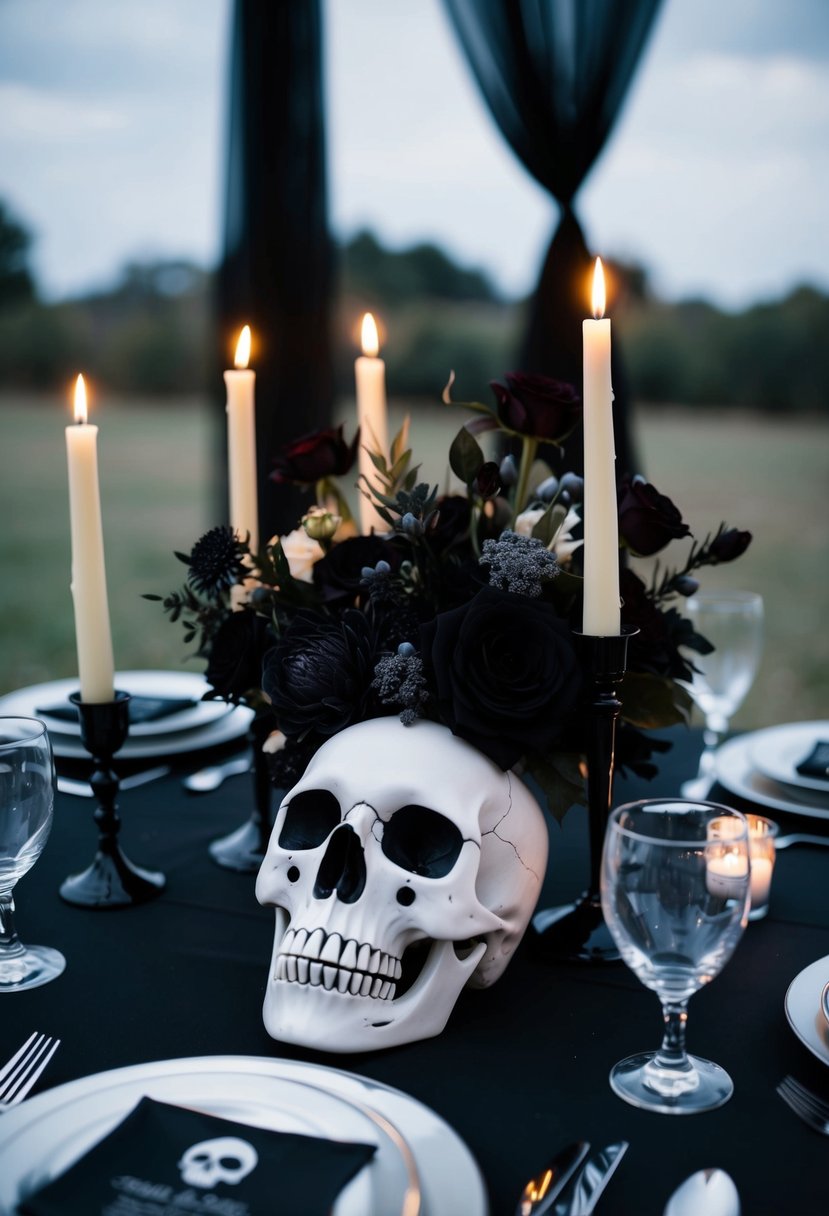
[27, 796]
[675, 896]
[732, 621]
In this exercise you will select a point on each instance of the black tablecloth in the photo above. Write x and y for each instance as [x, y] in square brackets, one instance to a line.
[520, 1070]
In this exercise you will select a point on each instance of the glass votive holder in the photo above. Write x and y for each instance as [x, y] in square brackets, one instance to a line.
[761, 833]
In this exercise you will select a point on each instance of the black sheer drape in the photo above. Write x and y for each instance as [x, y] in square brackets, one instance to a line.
[554, 74]
[276, 272]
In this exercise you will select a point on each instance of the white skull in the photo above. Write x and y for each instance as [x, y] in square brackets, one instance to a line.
[225, 1159]
[395, 835]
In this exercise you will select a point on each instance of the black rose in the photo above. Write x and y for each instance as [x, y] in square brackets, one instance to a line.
[338, 575]
[235, 664]
[727, 546]
[537, 406]
[323, 453]
[319, 674]
[450, 523]
[504, 672]
[647, 519]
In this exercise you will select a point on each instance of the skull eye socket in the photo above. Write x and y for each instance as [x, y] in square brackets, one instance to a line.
[310, 818]
[422, 841]
[230, 1163]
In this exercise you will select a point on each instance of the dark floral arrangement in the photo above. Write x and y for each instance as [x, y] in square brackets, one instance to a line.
[466, 609]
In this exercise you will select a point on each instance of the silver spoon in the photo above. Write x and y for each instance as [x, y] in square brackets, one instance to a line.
[824, 1002]
[706, 1193]
[783, 842]
[210, 778]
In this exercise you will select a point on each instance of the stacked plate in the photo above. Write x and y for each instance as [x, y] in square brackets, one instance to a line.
[762, 768]
[194, 724]
[807, 1008]
[421, 1166]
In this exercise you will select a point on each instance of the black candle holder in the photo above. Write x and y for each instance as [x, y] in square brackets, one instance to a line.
[577, 932]
[244, 849]
[111, 880]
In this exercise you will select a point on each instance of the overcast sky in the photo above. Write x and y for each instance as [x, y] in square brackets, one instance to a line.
[112, 128]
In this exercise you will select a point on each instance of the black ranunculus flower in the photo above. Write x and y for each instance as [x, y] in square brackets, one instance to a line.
[537, 406]
[323, 453]
[504, 673]
[729, 545]
[338, 575]
[215, 562]
[647, 519]
[235, 664]
[319, 674]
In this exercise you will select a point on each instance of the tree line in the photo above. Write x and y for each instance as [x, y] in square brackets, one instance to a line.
[151, 333]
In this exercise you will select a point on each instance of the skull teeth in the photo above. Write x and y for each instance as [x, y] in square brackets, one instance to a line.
[326, 960]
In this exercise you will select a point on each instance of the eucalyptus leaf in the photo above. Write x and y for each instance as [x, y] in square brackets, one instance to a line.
[549, 526]
[465, 455]
[650, 701]
[560, 780]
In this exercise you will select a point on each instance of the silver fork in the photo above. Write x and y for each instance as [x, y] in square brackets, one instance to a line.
[811, 1109]
[23, 1069]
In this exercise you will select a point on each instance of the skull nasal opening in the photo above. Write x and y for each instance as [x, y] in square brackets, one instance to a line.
[343, 867]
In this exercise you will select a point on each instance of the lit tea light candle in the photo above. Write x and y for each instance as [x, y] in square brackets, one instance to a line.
[93, 635]
[727, 874]
[372, 418]
[241, 443]
[762, 833]
[601, 612]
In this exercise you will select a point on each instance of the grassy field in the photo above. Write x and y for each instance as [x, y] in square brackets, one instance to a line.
[766, 475]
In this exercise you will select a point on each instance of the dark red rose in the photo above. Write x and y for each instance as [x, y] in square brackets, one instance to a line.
[321, 454]
[537, 406]
[504, 672]
[729, 545]
[648, 520]
[488, 480]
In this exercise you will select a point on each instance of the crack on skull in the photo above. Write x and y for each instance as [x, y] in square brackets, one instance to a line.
[493, 831]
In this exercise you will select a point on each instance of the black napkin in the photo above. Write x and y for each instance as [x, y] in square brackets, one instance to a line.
[816, 764]
[141, 709]
[166, 1161]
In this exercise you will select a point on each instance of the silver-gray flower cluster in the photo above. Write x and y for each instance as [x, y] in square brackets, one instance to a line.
[518, 563]
[399, 680]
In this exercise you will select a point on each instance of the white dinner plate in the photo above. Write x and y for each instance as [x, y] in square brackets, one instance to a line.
[206, 724]
[804, 1011]
[176, 685]
[421, 1168]
[737, 773]
[778, 750]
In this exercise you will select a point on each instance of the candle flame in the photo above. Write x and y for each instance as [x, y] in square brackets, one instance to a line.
[371, 343]
[599, 298]
[80, 400]
[242, 356]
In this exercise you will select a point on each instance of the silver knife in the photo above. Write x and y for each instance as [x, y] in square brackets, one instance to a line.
[540, 1193]
[581, 1195]
[82, 789]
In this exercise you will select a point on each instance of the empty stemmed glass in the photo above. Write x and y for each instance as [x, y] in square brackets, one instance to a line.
[675, 887]
[27, 796]
[732, 621]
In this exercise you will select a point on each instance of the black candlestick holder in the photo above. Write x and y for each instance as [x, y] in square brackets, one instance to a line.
[577, 932]
[111, 880]
[244, 849]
